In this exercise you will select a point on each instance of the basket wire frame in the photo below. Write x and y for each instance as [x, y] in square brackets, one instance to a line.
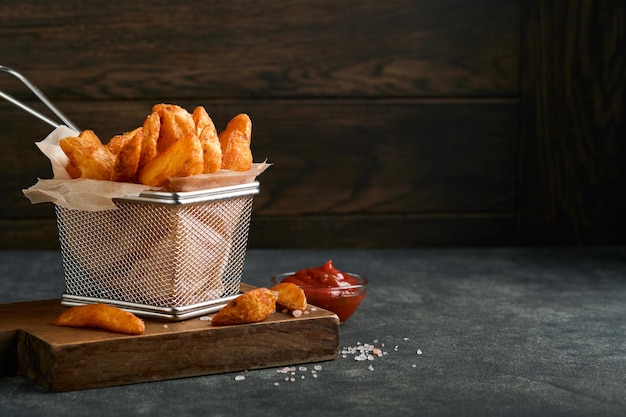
[155, 255]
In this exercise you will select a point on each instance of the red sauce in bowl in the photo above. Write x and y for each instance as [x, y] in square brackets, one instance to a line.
[331, 289]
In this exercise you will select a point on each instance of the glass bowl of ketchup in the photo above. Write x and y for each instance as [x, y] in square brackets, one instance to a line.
[329, 288]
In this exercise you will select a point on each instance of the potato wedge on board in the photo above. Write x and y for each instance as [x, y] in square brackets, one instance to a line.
[290, 296]
[250, 307]
[101, 316]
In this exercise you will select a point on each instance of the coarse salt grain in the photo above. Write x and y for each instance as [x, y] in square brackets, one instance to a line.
[205, 318]
[240, 377]
[297, 313]
[360, 352]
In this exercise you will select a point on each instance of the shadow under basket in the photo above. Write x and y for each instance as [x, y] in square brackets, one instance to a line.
[159, 254]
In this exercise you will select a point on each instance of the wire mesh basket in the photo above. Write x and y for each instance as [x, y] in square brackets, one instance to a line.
[159, 254]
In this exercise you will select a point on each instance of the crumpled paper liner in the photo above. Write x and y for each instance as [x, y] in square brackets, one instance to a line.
[94, 195]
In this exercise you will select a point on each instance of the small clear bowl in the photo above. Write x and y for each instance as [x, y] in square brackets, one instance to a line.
[343, 301]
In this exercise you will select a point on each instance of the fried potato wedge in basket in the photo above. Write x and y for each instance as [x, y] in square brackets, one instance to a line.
[236, 154]
[127, 148]
[182, 159]
[101, 316]
[240, 122]
[250, 307]
[171, 142]
[209, 139]
[176, 123]
[151, 128]
[87, 156]
[235, 144]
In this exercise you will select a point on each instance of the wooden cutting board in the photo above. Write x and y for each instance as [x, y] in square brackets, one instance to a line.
[67, 359]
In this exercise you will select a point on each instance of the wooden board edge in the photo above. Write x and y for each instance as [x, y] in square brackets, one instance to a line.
[195, 354]
[8, 353]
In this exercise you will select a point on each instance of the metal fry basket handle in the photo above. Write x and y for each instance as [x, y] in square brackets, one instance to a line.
[41, 97]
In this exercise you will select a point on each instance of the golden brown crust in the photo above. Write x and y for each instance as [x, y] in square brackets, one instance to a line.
[176, 122]
[151, 128]
[182, 159]
[207, 133]
[250, 307]
[235, 143]
[151, 153]
[236, 153]
[127, 156]
[87, 156]
[102, 316]
[290, 296]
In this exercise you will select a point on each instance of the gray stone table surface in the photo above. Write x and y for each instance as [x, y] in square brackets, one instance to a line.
[463, 331]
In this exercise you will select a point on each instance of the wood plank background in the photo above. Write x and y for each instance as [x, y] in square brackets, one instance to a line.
[397, 123]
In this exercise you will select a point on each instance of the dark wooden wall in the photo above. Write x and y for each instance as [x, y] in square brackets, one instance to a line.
[395, 123]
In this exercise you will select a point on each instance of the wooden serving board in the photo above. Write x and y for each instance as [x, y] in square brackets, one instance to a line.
[67, 359]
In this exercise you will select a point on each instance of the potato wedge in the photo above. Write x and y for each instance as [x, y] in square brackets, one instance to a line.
[290, 296]
[250, 307]
[236, 152]
[212, 151]
[240, 122]
[87, 156]
[127, 156]
[201, 119]
[176, 122]
[101, 316]
[116, 143]
[207, 133]
[151, 129]
[182, 159]
[235, 142]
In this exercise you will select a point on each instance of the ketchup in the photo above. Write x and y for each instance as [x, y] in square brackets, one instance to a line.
[329, 288]
[322, 276]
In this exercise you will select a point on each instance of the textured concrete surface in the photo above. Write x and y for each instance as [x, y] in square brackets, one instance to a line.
[471, 332]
